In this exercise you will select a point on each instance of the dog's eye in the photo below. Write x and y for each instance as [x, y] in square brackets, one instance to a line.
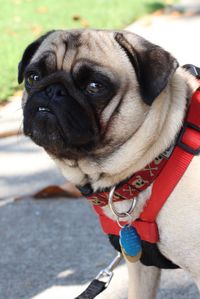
[94, 87]
[31, 79]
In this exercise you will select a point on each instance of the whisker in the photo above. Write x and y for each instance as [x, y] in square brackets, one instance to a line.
[20, 130]
[16, 110]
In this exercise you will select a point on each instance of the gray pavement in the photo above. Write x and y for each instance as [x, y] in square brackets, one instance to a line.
[11, 117]
[177, 34]
[25, 168]
[51, 249]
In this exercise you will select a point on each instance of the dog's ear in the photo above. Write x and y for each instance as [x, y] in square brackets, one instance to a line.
[28, 54]
[153, 65]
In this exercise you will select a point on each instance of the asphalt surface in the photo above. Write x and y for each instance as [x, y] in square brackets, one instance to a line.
[49, 248]
[175, 33]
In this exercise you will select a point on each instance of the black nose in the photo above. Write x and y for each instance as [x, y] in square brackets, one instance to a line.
[55, 91]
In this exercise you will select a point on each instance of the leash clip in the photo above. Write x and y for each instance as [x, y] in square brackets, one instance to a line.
[107, 274]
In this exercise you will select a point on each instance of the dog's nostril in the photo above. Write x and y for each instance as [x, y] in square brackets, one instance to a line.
[61, 92]
[49, 91]
[56, 90]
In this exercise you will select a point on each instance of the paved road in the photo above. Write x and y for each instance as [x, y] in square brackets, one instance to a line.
[176, 34]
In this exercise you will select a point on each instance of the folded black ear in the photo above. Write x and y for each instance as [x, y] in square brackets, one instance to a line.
[28, 54]
[153, 65]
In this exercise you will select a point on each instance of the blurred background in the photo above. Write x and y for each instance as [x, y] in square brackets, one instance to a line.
[51, 243]
[22, 21]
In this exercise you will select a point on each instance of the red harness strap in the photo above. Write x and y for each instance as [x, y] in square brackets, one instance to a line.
[148, 231]
[187, 146]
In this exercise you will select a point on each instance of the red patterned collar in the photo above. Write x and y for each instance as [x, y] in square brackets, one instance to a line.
[138, 182]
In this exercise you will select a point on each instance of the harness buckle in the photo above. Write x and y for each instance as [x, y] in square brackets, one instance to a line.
[195, 71]
[185, 146]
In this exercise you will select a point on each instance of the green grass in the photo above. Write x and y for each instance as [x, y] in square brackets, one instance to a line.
[22, 21]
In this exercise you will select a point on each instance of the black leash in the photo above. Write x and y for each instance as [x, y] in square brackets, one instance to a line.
[102, 281]
[94, 289]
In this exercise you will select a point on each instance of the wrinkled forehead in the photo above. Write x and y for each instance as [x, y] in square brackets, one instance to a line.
[63, 49]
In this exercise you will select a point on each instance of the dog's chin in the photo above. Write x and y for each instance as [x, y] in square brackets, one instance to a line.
[46, 132]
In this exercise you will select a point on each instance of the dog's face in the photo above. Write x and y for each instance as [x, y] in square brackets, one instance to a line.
[88, 92]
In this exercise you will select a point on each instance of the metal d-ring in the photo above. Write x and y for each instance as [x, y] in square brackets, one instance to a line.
[113, 209]
[129, 221]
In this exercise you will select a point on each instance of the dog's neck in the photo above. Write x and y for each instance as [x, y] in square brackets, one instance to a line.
[167, 114]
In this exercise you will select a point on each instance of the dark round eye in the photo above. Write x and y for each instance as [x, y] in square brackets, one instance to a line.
[32, 78]
[94, 87]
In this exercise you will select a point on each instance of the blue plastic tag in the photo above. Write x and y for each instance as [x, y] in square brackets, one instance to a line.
[130, 241]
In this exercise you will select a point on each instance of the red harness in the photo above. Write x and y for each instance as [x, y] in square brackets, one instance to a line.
[187, 146]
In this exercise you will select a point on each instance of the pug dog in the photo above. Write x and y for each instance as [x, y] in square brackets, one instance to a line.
[103, 104]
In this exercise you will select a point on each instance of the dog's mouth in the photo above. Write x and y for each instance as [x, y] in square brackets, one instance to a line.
[44, 109]
[62, 126]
